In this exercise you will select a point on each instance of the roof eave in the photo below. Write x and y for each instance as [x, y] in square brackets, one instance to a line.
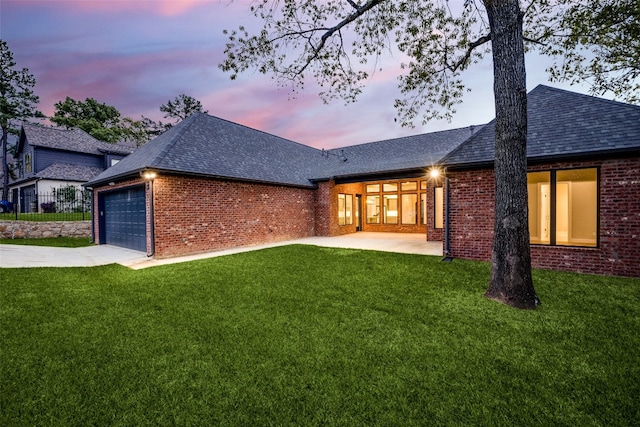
[139, 171]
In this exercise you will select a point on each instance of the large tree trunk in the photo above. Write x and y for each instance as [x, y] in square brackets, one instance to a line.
[511, 281]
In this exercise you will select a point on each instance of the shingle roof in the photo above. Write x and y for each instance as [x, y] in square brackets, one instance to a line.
[398, 154]
[210, 146]
[562, 124]
[74, 139]
[68, 172]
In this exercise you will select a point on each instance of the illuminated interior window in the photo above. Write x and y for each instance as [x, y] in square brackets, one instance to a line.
[390, 187]
[345, 208]
[409, 208]
[409, 186]
[423, 208]
[390, 208]
[373, 209]
[373, 188]
[563, 207]
[438, 207]
[539, 188]
[577, 207]
[423, 185]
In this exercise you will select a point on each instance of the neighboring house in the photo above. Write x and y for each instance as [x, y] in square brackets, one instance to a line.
[50, 158]
[209, 184]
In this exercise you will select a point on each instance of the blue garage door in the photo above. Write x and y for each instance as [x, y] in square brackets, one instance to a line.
[125, 219]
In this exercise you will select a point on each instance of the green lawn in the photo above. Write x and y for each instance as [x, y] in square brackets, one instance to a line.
[55, 216]
[302, 335]
[61, 242]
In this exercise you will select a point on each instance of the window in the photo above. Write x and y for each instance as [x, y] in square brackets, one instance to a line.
[438, 207]
[396, 202]
[28, 166]
[539, 188]
[390, 208]
[373, 209]
[409, 186]
[563, 207]
[409, 208]
[345, 207]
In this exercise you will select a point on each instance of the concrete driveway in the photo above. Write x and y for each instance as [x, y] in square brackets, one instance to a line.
[17, 256]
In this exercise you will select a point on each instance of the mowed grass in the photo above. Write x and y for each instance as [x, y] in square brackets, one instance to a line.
[61, 242]
[302, 335]
[54, 216]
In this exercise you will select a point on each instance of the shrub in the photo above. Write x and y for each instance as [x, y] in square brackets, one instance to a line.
[49, 207]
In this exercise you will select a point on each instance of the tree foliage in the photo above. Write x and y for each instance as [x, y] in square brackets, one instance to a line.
[181, 107]
[339, 44]
[598, 42]
[17, 102]
[99, 120]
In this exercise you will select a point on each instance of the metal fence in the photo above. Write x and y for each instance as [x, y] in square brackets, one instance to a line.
[63, 204]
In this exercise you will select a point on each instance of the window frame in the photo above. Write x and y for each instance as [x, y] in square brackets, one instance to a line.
[553, 208]
[28, 163]
[438, 208]
[376, 215]
[415, 211]
[347, 210]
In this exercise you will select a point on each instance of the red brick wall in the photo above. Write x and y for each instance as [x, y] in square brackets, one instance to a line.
[194, 215]
[618, 254]
[322, 207]
[471, 211]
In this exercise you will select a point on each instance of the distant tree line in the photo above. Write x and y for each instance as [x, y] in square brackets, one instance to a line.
[104, 122]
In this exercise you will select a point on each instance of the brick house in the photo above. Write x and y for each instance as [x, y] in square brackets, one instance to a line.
[583, 158]
[210, 184]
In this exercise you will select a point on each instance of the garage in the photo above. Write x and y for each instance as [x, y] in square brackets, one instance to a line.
[123, 218]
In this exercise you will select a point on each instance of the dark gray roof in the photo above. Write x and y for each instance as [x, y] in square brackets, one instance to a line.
[210, 146]
[562, 124]
[74, 139]
[398, 154]
[67, 172]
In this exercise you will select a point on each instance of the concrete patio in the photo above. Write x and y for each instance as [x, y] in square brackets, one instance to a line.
[17, 256]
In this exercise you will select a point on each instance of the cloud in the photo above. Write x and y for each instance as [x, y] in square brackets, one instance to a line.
[160, 7]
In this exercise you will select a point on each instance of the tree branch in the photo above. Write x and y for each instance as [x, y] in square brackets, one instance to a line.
[360, 10]
[462, 61]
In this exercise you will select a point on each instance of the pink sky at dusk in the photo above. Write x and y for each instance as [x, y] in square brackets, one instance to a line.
[138, 54]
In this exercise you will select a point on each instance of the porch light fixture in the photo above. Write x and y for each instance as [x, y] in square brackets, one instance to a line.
[435, 173]
[148, 175]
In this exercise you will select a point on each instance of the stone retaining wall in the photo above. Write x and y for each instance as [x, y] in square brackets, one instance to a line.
[35, 229]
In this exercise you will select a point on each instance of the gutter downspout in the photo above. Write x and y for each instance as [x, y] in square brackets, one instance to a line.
[447, 243]
[151, 221]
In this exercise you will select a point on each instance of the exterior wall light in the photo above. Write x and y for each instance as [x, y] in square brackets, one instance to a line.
[148, 175]
[434, 173]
